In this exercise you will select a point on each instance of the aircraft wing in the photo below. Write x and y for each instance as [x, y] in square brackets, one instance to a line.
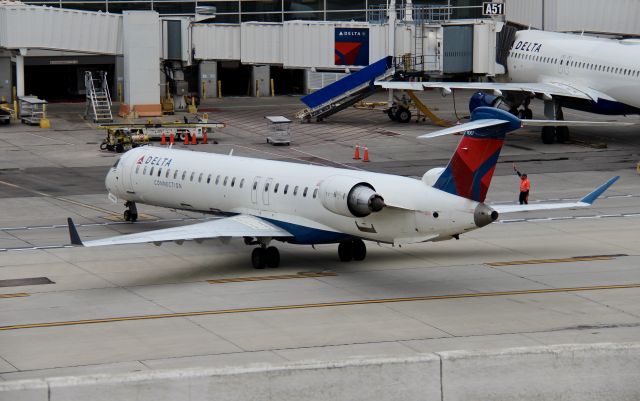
[543, 88]
[584, 202]
[236, 226]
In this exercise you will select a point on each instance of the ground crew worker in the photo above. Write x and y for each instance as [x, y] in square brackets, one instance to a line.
[525, 186]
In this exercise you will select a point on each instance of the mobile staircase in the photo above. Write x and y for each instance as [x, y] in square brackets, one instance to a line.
[345, 92]
[98, 98]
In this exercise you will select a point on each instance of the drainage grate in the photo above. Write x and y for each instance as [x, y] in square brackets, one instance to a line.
[17, 282]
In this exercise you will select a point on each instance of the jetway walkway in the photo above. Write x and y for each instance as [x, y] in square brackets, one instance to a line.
[345, 92]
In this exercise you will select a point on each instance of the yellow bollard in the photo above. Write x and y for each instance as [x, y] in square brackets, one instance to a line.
[16, 110]
[192, 107]
[14, 96]
[44, 121]
[273, 92]
[119, 89]
[219, 89]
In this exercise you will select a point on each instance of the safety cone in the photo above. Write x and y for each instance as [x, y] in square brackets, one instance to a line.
[186, 138]
[163, 139]
[356, 153]
[365, 158]
[171, 138]
[205, 140]
[194, 140]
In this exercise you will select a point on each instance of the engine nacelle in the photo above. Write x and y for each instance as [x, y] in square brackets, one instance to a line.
[431, 176]
[349, 197]
[480, 99]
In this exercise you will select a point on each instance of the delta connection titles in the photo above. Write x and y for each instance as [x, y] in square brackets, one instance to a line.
[159, 162]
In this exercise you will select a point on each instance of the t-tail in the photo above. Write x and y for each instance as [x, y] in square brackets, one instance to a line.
[469, 171]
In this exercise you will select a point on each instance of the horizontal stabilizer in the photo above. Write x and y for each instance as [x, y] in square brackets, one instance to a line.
[565, 123]
[470, 126]
[584, 202]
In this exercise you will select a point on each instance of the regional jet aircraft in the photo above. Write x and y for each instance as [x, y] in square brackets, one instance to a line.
[565, 70]
[266, 200]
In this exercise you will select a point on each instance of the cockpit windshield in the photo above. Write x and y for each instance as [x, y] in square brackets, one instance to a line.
[116, 163]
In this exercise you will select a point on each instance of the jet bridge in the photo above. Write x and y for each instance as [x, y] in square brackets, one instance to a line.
[345, 92]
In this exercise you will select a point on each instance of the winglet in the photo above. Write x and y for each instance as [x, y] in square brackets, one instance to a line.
[73, 233]
[590, 198]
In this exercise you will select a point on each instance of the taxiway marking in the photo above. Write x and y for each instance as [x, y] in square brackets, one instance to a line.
[560, 260]
[16, 295]
[317, 305]
[266, 278]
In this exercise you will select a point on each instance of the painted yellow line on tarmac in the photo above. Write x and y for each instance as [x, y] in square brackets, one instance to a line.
[16, 295]
[560, 260]
[266, 278]
[318, 305]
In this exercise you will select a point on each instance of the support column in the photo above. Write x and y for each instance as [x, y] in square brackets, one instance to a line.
[5, 76]
[260, 76]
[208, 79]
[20, 72]
[391, 14]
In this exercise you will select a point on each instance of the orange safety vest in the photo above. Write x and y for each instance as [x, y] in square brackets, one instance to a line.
[525, 185]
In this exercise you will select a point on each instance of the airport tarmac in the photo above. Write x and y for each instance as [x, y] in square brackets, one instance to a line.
[567, 276]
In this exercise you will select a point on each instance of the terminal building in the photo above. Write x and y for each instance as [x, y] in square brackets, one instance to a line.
[204, 49]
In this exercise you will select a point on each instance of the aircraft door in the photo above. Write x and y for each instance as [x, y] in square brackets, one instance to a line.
[265, 191]
[254, 189]
[127, 168]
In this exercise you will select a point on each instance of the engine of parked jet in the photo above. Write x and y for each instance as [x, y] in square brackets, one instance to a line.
[349, 197]
[481, 99]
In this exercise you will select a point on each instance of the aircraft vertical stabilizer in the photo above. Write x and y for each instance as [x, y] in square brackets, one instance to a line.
[469, 171]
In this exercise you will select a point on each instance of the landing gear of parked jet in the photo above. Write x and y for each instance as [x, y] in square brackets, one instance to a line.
[131, 214]
[353, 249]
[553, 111]
[265, 256]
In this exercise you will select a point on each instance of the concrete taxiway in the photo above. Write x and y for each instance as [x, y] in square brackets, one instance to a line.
[567, 276]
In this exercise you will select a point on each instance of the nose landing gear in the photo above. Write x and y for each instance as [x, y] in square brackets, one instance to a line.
[131, 214]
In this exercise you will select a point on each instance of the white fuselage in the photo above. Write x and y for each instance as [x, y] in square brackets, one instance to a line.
[290, 195]
[610, 67]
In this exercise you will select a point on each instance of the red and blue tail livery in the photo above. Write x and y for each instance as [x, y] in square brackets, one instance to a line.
[470, 169]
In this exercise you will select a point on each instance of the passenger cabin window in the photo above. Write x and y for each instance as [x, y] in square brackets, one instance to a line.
[241, 183]
[255, 185]
[208, 178]
[286, 189]
[137, 168]
[144, 170]
[200, 178]
[166, 175]
[304, 193]
[184, 174]
[175, 174]
[192, 175]
[151, 171]
[295, 191]
[315, 193]
[217, 179]
[275, 189]
[159, 172]
[266, 187]
[233, 181]
[225, 181]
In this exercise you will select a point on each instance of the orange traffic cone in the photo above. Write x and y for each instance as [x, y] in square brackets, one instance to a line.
[194, 140]
[186, 138]
[365, 158]
[171, 138]
[356, 153]
[205, 140]
[163, 140]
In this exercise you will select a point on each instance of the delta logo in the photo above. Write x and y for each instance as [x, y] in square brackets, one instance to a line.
[352, 46]
[154, 161]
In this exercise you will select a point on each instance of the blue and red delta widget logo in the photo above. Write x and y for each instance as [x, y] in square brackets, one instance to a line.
[352, 46]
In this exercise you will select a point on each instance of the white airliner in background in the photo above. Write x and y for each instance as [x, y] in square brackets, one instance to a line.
[580, 72]
[266, 200]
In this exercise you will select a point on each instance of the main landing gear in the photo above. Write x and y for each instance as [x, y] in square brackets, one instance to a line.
[265, 256]
[553, 111]
[353, 249]
[131, 214]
